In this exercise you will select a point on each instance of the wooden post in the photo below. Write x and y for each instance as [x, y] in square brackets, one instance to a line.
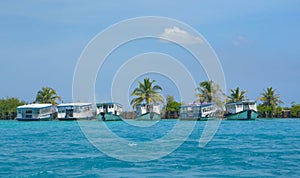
[289, 114]
[6, 117]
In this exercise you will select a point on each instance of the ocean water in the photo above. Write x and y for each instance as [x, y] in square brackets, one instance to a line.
[261, 148]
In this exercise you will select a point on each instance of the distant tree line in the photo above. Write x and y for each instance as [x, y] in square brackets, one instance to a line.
[206, 92]
[8, 107]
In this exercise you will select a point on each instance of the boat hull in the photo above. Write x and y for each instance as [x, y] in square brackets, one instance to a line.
[149, 116]
[244, 115]
[195, 119]
[74, 118]
[108, 117]
[35, 119]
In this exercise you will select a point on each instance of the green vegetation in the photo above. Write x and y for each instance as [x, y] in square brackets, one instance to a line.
[264, 109]
[172, 105]
[47, 95]
[146, 92]
[237, 95]
[8, 107]
[295, 110]
[270, 100]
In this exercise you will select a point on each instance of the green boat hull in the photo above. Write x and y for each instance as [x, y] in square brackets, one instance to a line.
[195, 119]
[149, 117]
[75, 118]
[244, 115]
[109, 117]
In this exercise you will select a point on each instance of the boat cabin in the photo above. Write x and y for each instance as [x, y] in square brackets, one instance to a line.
[236, 107]
[197, 111]
[32, 112]
[144, 108]
[110, 108]
[73, 111]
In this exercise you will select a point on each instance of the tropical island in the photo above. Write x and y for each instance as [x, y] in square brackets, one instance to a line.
[148, 93]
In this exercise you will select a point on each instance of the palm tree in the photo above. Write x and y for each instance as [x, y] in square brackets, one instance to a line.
[208, 91]
[269, 98]
[237, 95]
[205, 91]
[47, 95]
[146, 92]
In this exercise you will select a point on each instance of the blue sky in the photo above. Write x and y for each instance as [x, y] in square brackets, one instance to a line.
[257, 42]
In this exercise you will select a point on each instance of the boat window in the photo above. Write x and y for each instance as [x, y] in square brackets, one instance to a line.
[207, 109]
[61, 110]
[45, 110]
[246, 106]
[83, 109]
[74, 109]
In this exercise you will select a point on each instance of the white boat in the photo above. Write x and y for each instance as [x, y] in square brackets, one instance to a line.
[148, 111]
[241, 110]
[110, 111]
[197, 111]
[36, 112]
[75, 111]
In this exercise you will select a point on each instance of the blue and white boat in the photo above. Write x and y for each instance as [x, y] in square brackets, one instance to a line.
[148, 112]
[241, 110]
[110, 111]
[36, 112]
[197, 111]
[75, 111]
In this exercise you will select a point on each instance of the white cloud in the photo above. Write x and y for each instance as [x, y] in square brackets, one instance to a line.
[180, 36]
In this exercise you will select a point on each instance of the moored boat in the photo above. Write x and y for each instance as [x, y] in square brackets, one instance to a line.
[200, 112]
[36, 112]
[75, 111]
[148, 112]
[241, 110]
[109, 111]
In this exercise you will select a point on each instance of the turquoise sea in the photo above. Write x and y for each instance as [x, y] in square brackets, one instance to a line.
[261, 148]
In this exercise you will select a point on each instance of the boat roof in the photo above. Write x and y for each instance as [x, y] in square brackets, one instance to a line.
[198, 105]
[73, 104]
[241, 102]
[144, 104]
[108, 103]
[34, 106]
